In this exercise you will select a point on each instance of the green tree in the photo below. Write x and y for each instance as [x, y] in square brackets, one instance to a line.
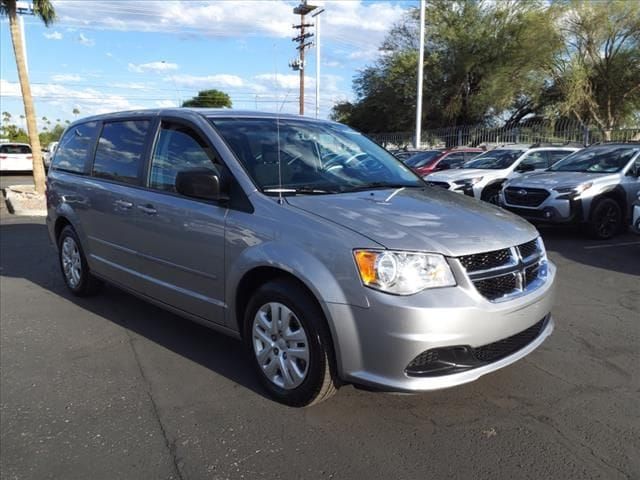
[599, 73]
[482, 60]
[44, 10]
[209, 98]
[75, 111]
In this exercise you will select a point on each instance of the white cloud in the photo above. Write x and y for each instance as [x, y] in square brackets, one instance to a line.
[152, 67]
[211, 81]
[66, 77]
[166, 104]
[351, 25]
[53, 36]
[131, 86]
[86, 41]
[89, 101]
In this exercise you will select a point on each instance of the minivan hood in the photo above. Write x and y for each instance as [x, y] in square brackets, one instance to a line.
[428, 219]
[460, 174]
[550, 180]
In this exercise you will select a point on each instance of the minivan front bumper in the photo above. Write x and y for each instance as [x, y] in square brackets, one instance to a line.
[376, 345]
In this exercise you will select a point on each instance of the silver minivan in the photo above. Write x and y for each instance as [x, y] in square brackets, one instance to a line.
[330, 259]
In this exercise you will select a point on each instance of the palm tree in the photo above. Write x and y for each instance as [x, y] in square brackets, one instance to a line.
[45, 11]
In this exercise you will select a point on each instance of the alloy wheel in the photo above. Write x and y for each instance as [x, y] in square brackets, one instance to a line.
[280, 345]
[71, 262]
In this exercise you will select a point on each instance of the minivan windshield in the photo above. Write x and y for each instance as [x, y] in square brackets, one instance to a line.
[495, 159]
[601, 159]
[422, 158]
[300, 156]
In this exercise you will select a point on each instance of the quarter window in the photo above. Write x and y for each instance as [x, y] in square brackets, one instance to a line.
[120, 151]
[178, 148]
[73, 149]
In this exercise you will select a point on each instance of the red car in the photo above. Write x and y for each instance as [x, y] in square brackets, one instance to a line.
[429, 161]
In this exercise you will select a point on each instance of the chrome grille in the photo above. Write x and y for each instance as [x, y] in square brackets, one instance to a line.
[484, 261]
[499, 275]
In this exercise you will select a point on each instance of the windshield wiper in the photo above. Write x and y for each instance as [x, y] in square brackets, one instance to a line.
[382, 185]
[303, 190]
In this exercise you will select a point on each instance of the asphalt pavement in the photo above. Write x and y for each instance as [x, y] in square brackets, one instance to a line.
[112, 387]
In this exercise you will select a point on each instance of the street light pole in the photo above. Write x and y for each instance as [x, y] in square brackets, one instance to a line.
[317, 17]
[420, 75]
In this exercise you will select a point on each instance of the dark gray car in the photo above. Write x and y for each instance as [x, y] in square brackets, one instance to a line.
[329, 258]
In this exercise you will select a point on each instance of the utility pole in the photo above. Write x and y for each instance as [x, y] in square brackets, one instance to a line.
[316, 16]
[298, 64]
[420, 74]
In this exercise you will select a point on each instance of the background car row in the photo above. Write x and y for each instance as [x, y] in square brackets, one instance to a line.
[17, 157]
[595, 187]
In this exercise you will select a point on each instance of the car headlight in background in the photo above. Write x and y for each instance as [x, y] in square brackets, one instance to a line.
[468, 182]
[403, 273]
[573, 190]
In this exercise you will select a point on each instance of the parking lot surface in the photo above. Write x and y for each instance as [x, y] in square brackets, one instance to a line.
[112, 387]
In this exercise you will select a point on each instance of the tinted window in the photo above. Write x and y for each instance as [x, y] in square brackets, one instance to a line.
[557, 155]
[120, 149]
[421, 159]
[178, 148]
[73, 149]
[471, 155]
[538, 160]
[15, 149]
[601, 159]
[454, 160]
[495, 159]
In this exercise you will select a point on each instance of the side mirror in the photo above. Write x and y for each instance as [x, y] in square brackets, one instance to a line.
[444, 166]
[203, 183]
[525, 167]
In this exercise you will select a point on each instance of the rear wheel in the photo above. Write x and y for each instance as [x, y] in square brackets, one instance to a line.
[606, 219]
[289, 342]
[73, 264]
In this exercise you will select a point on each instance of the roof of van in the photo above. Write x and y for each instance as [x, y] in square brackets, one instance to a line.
[205, 112]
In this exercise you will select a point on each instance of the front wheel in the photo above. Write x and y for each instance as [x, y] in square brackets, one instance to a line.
[606, 219]
[288, 339]
[491, 195]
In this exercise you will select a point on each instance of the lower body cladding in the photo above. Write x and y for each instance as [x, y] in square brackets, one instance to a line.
[556, 212]
[438, 338]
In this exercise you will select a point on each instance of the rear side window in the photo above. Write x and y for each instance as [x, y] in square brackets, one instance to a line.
[15, 149]
[73, 149]
[120, 151]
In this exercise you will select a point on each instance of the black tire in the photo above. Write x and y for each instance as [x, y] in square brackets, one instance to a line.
[605, 220]
[87, 284]
[491, 194]
[320, 381]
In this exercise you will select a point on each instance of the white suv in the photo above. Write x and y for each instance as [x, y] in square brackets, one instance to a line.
[483, 176]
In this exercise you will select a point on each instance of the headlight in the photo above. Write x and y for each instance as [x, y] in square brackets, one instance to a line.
[468, 182]
[402, 273]
[573, 189]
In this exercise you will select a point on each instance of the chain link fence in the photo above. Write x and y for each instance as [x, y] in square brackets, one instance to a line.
[529, 132]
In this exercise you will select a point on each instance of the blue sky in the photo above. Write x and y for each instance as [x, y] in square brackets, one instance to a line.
[104, 56]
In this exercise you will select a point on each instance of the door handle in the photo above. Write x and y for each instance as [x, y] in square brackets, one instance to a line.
[123, 204]
[148, 209]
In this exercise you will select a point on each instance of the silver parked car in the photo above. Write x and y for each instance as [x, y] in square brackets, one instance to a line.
[329, 258]
[595, 187]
